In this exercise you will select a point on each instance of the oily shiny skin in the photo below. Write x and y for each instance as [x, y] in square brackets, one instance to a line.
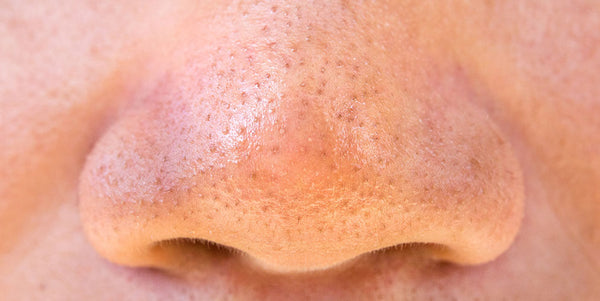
[320, 150]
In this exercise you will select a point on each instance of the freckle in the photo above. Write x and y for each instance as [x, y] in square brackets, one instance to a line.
[274, 8]
[339, 63]
[287, 65]
[475, 164]
[320, 91]
[268, 75]
[265, 28]
[302, 115]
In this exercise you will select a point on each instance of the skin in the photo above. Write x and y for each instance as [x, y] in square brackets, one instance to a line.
[272, 150]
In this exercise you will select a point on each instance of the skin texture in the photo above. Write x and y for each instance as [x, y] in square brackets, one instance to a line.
[318, 150]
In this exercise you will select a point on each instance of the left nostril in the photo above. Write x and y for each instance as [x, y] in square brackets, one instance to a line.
[185, 243]
[178, 253]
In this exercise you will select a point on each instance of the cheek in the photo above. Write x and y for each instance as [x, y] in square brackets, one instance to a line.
[301, 153]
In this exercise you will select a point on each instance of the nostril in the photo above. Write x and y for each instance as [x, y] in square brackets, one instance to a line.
[182, 254]
[435, 253]
[420, 249]
[185, 244]
[189, 253]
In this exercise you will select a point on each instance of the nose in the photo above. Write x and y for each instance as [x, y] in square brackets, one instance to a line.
[301, 160]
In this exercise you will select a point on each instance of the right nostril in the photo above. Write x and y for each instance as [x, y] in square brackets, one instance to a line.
[423, 249]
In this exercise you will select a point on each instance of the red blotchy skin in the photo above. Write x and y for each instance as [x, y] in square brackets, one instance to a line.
[327, 150]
